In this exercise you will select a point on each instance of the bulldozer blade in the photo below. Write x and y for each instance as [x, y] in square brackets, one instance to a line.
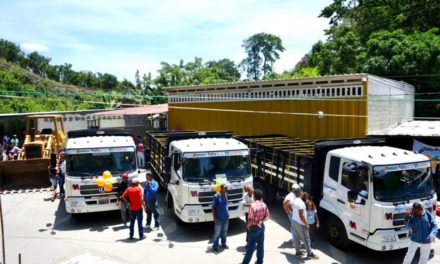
[20, 174]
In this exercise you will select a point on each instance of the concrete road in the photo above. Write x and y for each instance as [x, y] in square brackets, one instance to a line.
[42, 232]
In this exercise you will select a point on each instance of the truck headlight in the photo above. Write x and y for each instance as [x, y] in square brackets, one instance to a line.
[75, 203]
[388, 238]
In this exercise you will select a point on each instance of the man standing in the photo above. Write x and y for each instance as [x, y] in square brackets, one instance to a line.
[424, 231]
[62, 173]
[220, 214]
[134, 194]
[150, 199]
[258, 214]
[300, 225]
[140, 154]
[247, 202]
[287, 205]
[122, 204]
[14, 140]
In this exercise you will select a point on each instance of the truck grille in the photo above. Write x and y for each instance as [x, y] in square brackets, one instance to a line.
[206, 197]
[94, 189]
[399, 219]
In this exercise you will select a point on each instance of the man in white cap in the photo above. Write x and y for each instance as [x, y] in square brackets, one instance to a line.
[287, 205]
[134, 194]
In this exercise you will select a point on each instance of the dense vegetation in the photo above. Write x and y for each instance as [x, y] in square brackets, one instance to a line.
[399, 39]
[395, 39]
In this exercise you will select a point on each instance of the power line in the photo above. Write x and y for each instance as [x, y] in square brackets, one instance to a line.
[54, 99]
[318, 114]
[387, 98]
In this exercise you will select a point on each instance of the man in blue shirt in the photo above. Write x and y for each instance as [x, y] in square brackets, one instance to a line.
[220, 214]
[150, 199]
[424, 231]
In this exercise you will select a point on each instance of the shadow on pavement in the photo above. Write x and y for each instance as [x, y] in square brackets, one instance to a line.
[177, 231]
[95, 222]
[355, 254]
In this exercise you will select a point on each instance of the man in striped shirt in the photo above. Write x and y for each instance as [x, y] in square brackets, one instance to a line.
[424, 228]
[258, 214]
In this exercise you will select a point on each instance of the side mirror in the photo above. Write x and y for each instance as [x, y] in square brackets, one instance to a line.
[177, 182]
[352, 196]
[167, 167]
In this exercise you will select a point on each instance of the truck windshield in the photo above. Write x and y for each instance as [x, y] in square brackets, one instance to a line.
[209, 168]
[90, 164]
[402, 182]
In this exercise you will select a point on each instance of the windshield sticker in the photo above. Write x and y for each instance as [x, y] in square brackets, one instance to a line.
[401, 167]
[99, 150]
[216, 154]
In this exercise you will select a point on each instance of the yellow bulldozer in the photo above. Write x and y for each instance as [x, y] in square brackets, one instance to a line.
[39, 150]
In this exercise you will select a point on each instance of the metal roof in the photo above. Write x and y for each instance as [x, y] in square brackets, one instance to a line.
[379, 155]
[208, 144]
[100, 142]
[412, 128]
[143, 110]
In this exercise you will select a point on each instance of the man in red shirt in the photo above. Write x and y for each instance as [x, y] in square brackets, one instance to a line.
[135, 199]
[258, 214]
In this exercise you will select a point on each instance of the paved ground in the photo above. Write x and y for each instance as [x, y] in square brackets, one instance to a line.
[42, 232]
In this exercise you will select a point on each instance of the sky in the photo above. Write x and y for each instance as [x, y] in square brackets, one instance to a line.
[122, 36]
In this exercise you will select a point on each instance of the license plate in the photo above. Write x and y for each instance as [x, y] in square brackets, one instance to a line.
[103, 201]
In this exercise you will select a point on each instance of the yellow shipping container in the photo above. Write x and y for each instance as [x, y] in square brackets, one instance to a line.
[312, 108]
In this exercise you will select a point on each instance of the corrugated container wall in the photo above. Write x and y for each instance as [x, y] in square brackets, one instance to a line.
[310, 108]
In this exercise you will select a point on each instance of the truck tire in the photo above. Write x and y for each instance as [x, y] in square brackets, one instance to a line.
[336, 233]
[259, 185]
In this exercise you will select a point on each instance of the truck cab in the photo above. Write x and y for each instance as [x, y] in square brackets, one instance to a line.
[88, 154]
[195, 166]
[368, 189]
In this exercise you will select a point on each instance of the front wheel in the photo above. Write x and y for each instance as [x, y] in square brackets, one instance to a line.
[336, 233]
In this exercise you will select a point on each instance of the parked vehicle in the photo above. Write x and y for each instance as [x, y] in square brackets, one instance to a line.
[88, 154]
[38, 152]
[188, 164]
[363, 188]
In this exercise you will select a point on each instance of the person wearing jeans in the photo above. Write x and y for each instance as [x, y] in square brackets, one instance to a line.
[220, 214]
[424, 230]
[258, 214]
[287, 206]
[150, 198]
[134, 193]
[123, 206]
[301, 227]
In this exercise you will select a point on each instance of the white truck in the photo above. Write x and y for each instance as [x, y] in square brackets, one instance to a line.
[188, 164]
[88, 154]
[363, 188]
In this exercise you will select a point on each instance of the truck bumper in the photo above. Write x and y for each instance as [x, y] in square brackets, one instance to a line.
[196, 214]
[387, 240]
[79, 205]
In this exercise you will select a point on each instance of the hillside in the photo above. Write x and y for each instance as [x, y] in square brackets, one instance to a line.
[23, 91]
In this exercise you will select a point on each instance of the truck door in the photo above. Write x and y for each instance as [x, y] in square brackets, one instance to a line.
[175, 179]
[354, 192]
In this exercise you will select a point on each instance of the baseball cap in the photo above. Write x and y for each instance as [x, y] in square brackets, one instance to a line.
[135, 180]
[295, 186]
[124, 175]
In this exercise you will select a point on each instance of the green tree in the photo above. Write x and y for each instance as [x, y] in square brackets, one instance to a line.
[10, 51]
[262, 51]
[38, 64]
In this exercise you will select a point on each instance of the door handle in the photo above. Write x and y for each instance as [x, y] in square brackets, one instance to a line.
[340, 201]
